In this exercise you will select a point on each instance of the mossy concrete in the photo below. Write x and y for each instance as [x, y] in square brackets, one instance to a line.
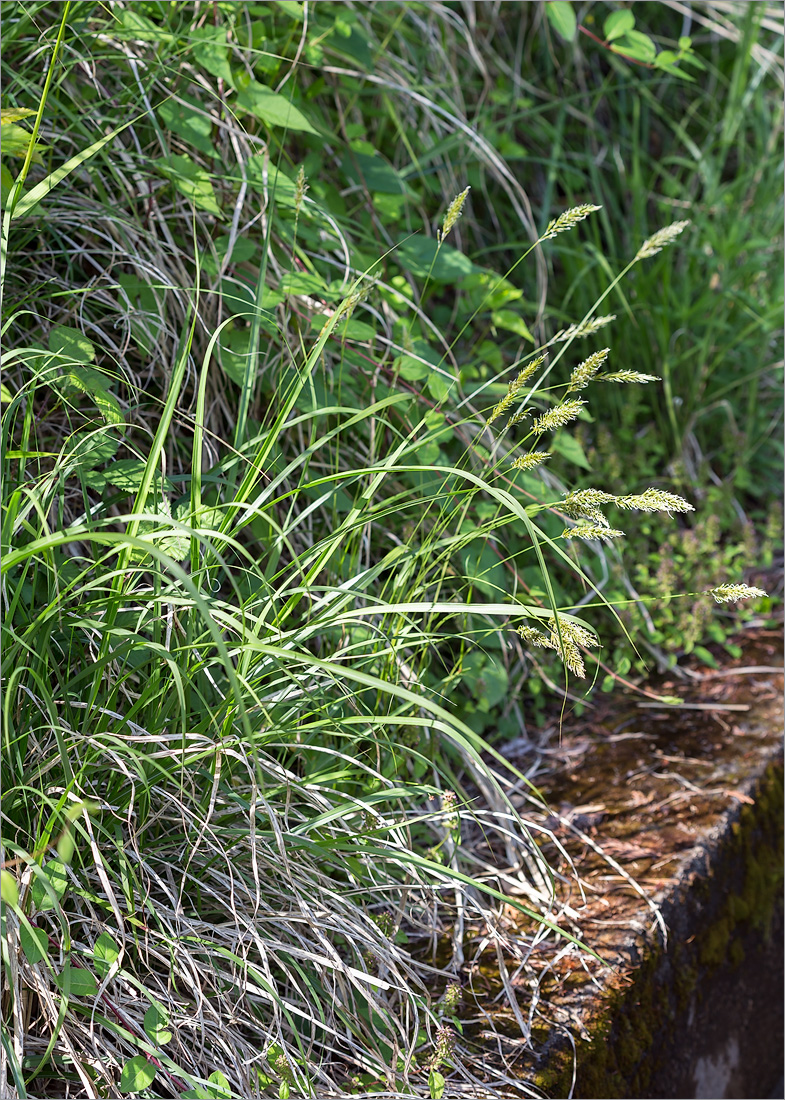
[704, 1016]
[692, 806]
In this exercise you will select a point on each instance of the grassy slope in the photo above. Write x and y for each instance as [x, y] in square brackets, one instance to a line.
[264, 551]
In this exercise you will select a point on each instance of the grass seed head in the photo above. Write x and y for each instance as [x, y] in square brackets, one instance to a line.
[591, 531]
[660, 240]
[531, 461]
[585, 371]
[454, 211]
[627, 376]
[558, 416]
[568, 219]
[730, 593]
[655, 500]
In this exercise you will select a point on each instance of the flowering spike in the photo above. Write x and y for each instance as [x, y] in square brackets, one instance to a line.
[729, 593]
[454, 211]
[558, 416]
[660, 240]
[568, 219]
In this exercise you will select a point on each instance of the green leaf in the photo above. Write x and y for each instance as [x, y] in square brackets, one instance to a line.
[88, 450]
[273, 109]
[93, 383]
[618, 23]
[126, 475]
[105, 954]
[156, 1025]
[685, 43]
[512, 322]
[373, 172]
[635, 46]
[14, 114]
[562, 18]
[15, 142]
[35, 943]
[72, 344]
[569, 447]
[76, 982]
[283, 1091]
[222, 1089]
[279, 185]
[436, 1085]
[136, 25]
[57, 877]
[9, 890]
[138, 1074]
[190, 180]
[188, 123]
[211, 51]
[419, 255]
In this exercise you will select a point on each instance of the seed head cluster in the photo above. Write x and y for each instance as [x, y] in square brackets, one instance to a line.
[585, 328]
[627, 376]
[585, 371]
[730, 593]
[454, 211]
[660, 240]
[513, 390]
[567, 220]
[531, 461]
[558, 416]
[565, 640]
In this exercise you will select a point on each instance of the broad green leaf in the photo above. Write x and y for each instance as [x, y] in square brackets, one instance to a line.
[126, 475]
[9, 890]
[188, 123]
[136, 25]
[618, 23]
[636, 46]
[72, 344]
[419, 256]
[88, 450]
[221, 1088]
[93, 383]
[569, 447]
[273, 109]
[14, 114]
[76, 982]
[35, 943]
[105, 954]
[156, 1025]
[283, 1091]
[58, 881]
[138, 1074]
[562, 18]
[436, 1085]
[279, 184]
[15, 142]
[190, 180]
[511, 322]
[211, 51]
[374, 173]
[5, 394]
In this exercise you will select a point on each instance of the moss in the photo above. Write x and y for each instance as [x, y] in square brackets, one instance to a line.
[734, 899]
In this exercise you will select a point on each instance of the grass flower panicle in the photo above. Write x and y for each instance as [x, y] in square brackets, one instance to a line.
[660, 240]
[585, 371]
[531, 461]
[454, 211]
[568, 219]
[627, 376]
[565, 640]
[585, 328]
[558, 416]
[591, 531]
[513, 390]
[730, 593]
[584, 502]
[654, 500]
[300, 190]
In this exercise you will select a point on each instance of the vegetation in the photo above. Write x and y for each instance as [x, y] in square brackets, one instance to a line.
[314, 404]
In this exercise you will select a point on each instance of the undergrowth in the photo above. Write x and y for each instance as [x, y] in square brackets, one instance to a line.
[282, 545]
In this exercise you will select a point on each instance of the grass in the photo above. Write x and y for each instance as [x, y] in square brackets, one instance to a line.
[266, 548]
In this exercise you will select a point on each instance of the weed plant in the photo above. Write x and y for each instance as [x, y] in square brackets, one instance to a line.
[279, 545]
